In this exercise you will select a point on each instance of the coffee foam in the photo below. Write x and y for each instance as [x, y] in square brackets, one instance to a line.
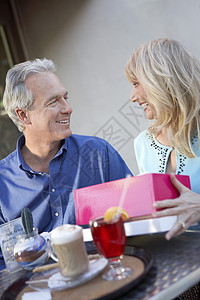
[65, 234]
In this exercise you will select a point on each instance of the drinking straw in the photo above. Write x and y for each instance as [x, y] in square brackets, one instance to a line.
[124, 191]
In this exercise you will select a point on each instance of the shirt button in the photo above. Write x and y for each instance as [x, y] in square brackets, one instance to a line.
[53, 190]
[56, 214]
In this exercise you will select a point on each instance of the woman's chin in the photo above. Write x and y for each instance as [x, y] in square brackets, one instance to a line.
[150, 117]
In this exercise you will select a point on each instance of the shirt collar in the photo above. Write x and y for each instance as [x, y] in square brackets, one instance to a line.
[63, 147]
[21, 162]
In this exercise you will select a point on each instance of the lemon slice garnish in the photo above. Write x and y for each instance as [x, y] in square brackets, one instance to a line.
[113, 212]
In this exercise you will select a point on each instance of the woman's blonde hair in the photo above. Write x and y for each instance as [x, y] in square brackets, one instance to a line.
[171, 80]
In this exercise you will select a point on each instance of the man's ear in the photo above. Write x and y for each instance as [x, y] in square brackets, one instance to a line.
[23, 116]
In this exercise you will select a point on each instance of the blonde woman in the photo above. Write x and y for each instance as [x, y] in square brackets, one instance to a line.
[166, 83]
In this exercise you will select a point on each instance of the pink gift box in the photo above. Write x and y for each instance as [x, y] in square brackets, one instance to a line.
[142, 190]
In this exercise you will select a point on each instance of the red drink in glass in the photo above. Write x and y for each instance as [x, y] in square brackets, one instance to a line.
[109, 238]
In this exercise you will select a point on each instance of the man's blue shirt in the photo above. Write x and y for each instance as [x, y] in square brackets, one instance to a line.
[81, 161]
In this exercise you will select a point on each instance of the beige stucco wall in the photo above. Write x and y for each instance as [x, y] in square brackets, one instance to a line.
[90, 42]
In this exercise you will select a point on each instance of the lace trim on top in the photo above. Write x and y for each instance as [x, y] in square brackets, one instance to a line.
[162, 153]
[194, 139]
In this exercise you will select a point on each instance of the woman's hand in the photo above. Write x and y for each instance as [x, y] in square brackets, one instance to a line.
[186, 207]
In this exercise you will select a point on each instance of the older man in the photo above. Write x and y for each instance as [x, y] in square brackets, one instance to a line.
[49, 162]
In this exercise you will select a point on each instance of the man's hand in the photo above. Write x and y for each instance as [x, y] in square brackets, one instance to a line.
[186, 207]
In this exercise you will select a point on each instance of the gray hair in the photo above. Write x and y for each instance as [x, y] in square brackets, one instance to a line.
[16, 94]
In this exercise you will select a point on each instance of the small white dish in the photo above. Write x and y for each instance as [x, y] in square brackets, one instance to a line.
[54, 281]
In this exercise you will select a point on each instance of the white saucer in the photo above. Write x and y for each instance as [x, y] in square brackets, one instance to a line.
[54, 281]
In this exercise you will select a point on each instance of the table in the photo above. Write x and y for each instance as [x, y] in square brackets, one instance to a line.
[176, 267]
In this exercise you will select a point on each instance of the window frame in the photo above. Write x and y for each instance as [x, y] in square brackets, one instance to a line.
[10, 36]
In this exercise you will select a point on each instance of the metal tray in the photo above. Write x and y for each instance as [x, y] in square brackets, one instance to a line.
[101, 289]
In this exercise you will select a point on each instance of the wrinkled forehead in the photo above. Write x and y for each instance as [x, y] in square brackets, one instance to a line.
[42, 82]
[45, 85]
[36, 78]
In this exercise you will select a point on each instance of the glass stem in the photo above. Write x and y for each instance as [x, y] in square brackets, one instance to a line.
[115, 262]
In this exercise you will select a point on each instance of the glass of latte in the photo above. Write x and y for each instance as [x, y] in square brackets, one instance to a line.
[67, 241]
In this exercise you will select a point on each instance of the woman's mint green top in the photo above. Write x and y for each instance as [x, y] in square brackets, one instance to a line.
[152, 157]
